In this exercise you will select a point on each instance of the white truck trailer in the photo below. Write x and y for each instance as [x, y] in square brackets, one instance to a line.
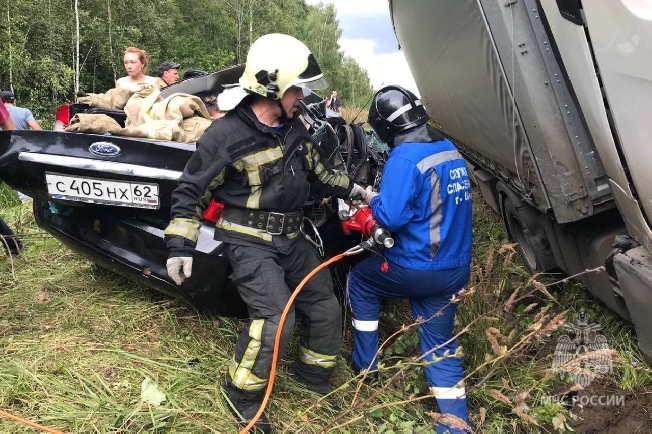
[550, 101]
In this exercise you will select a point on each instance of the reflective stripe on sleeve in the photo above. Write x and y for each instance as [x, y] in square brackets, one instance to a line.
[334, 179]
[365, 326]
[182, 227]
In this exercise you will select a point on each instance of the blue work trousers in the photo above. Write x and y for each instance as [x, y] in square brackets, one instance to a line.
[429, 291]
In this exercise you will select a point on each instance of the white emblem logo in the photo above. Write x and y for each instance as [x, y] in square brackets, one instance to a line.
[584, 356]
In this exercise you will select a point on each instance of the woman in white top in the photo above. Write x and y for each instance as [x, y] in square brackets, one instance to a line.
[135, 61]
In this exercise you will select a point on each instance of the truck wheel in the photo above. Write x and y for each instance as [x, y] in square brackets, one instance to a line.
[523, 227]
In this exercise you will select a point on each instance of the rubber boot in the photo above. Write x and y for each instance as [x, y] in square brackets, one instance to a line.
[244, 405]
[370, 378]
[321, 387]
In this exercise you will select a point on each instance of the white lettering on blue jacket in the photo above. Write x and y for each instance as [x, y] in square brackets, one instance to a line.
[424, 200]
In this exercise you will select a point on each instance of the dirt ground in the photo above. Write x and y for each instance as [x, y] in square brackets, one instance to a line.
[593, 413]
[603, 408]
[634, 416]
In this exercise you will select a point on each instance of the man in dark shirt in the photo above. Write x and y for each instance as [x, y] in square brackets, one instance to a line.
[168, 73]
[334, 102]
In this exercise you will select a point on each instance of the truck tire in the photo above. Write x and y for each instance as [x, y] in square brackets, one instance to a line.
[523, 227]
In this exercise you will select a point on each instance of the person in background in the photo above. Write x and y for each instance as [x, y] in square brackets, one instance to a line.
[8, 239]
[168, 73]
[334, 102]
[260, 162]
[135, 63]
[5, 119]
[22, 118]
[424, 200]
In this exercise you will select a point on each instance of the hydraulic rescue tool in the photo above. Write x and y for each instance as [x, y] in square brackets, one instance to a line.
[363, 221]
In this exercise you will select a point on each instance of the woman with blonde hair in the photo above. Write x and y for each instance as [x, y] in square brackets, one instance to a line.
[135, 63]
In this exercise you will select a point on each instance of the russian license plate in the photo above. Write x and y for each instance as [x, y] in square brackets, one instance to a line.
[102, 191]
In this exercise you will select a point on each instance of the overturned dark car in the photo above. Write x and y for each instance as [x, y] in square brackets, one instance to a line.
[108, 196]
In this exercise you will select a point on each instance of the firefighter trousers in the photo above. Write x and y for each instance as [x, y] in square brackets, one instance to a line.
[265, 281]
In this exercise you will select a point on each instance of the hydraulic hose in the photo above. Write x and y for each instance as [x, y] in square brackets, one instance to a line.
[277, 340]
[277, 344]
[30, 423]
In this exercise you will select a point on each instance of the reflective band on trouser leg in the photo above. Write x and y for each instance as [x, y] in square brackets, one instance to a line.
[451, 401]
[312, 358]
[365, 326]
[240, 373]
[365, 338]
[448, 392]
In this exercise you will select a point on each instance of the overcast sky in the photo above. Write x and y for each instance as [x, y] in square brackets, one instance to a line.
[368, 37]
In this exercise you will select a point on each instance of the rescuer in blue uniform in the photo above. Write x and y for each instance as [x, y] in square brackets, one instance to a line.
[424, 199]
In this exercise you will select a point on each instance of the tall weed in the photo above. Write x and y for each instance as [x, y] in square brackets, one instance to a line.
[77, 342]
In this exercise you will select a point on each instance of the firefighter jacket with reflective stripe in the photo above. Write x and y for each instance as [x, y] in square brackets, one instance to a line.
[424, 200]
[255, 167]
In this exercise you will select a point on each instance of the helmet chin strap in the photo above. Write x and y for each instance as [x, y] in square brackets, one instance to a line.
[284, 115]
[419, 134]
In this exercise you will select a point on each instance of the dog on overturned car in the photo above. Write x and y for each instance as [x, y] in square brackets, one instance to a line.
[259, 162]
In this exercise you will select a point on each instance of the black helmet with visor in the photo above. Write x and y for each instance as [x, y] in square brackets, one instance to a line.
[393, 110]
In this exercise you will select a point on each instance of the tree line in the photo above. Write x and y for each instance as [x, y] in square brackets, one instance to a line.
[50, 48]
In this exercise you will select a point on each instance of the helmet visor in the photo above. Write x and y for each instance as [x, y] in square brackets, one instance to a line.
[318, 84]
[312, 77]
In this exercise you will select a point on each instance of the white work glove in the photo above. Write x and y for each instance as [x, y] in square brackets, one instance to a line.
[179, 268]
[358, 190]
[369, 194]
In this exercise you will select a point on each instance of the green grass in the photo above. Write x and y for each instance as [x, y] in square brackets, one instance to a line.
[77, 342]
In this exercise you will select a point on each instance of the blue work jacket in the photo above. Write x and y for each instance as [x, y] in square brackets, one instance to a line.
[424, 200]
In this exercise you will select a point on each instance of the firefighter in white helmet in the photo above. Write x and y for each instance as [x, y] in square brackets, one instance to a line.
[259, 161]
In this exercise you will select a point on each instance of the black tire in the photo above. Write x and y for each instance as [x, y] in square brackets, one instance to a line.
[523, 228]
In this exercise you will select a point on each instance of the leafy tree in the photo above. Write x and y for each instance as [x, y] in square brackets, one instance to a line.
[38, 42]
[356, 90]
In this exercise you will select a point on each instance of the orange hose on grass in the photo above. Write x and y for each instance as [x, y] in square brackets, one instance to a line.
[30, 423]
[277, 340]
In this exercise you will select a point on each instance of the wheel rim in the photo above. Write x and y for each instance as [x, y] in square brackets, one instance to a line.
[527, 252]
